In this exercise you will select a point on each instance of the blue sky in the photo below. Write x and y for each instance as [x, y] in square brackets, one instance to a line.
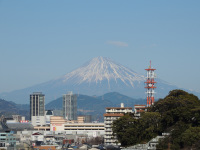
[43, 40]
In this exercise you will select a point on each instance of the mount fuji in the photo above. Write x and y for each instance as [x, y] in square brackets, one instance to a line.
[96, 77]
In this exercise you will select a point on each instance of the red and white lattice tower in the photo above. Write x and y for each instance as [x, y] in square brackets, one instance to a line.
[150, 85]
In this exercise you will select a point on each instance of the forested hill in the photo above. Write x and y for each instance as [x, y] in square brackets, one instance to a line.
[178, 114]
[8, 108]
[95, 106]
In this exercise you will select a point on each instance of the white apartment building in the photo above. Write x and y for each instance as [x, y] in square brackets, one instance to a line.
[70, 106]
[113, 113]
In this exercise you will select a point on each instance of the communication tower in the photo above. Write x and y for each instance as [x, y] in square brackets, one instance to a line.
[150, 85]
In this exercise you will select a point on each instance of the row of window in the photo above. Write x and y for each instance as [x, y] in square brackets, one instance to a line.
[84, 129]
[84, 126]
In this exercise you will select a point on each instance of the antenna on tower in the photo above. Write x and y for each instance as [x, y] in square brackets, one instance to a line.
[150, 64]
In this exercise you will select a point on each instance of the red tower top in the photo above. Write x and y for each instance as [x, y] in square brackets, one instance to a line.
[150, 67]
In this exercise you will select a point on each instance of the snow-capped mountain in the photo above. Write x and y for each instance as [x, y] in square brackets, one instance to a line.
[97, 77]
[100, 69]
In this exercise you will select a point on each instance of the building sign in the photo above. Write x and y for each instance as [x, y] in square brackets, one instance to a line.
[24, 121]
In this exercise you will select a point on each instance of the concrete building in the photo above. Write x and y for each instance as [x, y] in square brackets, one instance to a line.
[59, 124]
[37, 109]
[138, 109]
[113, 113]
[48, 114]
[18, 118]
[84, 119]
[7, 141]
[70, 106]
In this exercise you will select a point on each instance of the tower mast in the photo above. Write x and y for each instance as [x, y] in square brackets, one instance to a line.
[150, 85]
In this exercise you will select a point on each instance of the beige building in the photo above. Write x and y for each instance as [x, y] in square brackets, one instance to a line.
[113, 113]
[84, 119]
[58, 123]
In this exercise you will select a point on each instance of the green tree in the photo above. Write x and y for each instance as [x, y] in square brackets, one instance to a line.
[125, 129]
[178, 113]
[191, 137]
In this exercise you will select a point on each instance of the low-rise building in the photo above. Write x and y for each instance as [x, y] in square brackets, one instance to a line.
[7, 140]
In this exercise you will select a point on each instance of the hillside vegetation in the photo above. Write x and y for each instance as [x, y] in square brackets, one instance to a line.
[8, 108]
[95, 106]
[178, 114]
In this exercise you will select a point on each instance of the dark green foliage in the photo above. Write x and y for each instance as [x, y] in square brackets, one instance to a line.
[131, 131]
[178, 114]
[191, 137]
[123, 127]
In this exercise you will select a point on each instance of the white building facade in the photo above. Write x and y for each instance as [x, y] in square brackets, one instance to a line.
[113, 113]
[70, 106]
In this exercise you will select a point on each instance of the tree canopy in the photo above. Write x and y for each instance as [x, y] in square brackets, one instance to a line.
[178, 114]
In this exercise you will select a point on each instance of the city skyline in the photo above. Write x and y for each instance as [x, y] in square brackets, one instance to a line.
[43, 40]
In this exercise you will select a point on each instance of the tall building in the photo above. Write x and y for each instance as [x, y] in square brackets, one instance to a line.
[70, 106]
[37, 109]
[113, 113]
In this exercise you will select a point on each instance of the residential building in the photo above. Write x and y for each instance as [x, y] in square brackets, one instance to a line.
[70, 106]
[37, 109]
[113, 113]
[138, 109]
[7, 140]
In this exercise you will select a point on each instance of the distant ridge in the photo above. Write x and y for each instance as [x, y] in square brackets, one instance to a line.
[99, 76]
[95, 106]
[8, 109]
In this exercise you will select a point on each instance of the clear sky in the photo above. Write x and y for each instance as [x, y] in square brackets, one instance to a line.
[43, 39]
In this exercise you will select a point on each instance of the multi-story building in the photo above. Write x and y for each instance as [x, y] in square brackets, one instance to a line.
[138, 109]
[7, 141]
[59, 124]
[84, 119]
[18, 118]
[113, 113]
[37, 109]
[70, 106]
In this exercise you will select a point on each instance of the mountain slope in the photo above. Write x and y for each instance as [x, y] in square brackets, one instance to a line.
[8, 109]
[97, 77]
[116, 99]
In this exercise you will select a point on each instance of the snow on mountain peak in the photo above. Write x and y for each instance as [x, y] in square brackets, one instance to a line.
[101, 68]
